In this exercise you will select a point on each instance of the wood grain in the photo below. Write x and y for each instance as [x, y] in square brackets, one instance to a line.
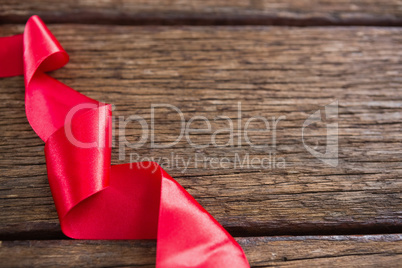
[206, 71]
[305, 251]
[208, 12]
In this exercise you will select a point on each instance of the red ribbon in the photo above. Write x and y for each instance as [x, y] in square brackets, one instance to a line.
[95, 200]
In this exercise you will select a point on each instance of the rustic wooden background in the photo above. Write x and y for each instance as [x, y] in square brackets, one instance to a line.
[204, 57]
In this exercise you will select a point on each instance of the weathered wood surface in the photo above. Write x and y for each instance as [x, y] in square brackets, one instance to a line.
[207, 71]
[311, 251]
[261, 12]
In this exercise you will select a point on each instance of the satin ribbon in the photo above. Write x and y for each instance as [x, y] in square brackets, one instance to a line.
[95, 200]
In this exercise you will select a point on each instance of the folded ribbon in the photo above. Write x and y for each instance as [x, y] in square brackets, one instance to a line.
[95, 200]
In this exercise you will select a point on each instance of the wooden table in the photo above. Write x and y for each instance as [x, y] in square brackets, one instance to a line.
[213, 58]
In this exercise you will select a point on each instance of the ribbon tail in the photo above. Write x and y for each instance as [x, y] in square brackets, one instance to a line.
[11, 60]
[188, 236]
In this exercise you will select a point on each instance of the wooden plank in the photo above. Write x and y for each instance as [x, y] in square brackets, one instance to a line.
[251, 12]
[206, 71]
[310, 251]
